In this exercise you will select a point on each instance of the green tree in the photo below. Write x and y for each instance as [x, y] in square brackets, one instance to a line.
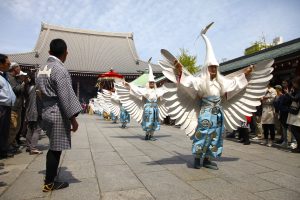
[188, 61]
[258, 46]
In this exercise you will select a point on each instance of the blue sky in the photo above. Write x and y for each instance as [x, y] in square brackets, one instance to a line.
[169, 24]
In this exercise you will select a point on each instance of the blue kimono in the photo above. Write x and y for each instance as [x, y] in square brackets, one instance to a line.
[207, 141]
[113, 117]
[124, 117]
[149, 98]
[150, 121]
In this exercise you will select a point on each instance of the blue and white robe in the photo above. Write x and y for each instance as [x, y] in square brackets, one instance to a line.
[150, 121]
[113, 117]
[124, 116]
[207, 141]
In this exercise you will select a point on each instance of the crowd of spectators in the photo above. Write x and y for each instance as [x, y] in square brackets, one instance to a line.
[277, 120]
[20, 113]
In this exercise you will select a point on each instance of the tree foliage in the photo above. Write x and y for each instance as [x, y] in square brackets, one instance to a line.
[188, 61]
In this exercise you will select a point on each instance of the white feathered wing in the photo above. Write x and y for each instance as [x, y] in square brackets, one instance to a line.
[183, 105]
[161, 103]
[112, 101]
[183, 102]
[134, 103]
[102, 102]
[238, 105]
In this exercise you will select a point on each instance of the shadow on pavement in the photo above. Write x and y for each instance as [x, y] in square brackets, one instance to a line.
[2, 184]
[253, 141]
[112, 126]
[66, 175]
[227, 159]
[63, 175]
[177, 159]
[186, 159]
[42, 147]
[139, 136]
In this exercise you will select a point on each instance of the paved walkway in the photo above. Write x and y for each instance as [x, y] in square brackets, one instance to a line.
[107, 162]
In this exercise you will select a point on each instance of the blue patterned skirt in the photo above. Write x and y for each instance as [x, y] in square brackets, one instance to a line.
[124, 116]
[113, 117]
[150, 117]
[207, 140]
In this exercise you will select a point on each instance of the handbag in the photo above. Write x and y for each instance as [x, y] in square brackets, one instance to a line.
[294, 108]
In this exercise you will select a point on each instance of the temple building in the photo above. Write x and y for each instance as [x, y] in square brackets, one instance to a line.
[286, 61]
[90, 53]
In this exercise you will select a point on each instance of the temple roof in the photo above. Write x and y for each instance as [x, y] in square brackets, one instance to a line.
[88, 51]
[269, 53]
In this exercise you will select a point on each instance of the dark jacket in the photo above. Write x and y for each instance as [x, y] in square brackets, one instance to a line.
[295, 96]
[33, 105]
[19, 90]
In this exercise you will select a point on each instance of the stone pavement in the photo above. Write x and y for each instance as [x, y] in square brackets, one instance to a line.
[107, 162]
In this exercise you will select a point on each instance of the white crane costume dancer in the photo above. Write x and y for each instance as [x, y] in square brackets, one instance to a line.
[146, 105]
[113, 102]
[95, 105]
[103, 107]
[207, 104]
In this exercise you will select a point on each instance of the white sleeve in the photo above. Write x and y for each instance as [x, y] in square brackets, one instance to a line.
[234, 85]
[190, 81]
[140, 92]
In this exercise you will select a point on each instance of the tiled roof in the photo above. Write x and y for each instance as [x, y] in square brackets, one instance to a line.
[269, 53]
[88, 51]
